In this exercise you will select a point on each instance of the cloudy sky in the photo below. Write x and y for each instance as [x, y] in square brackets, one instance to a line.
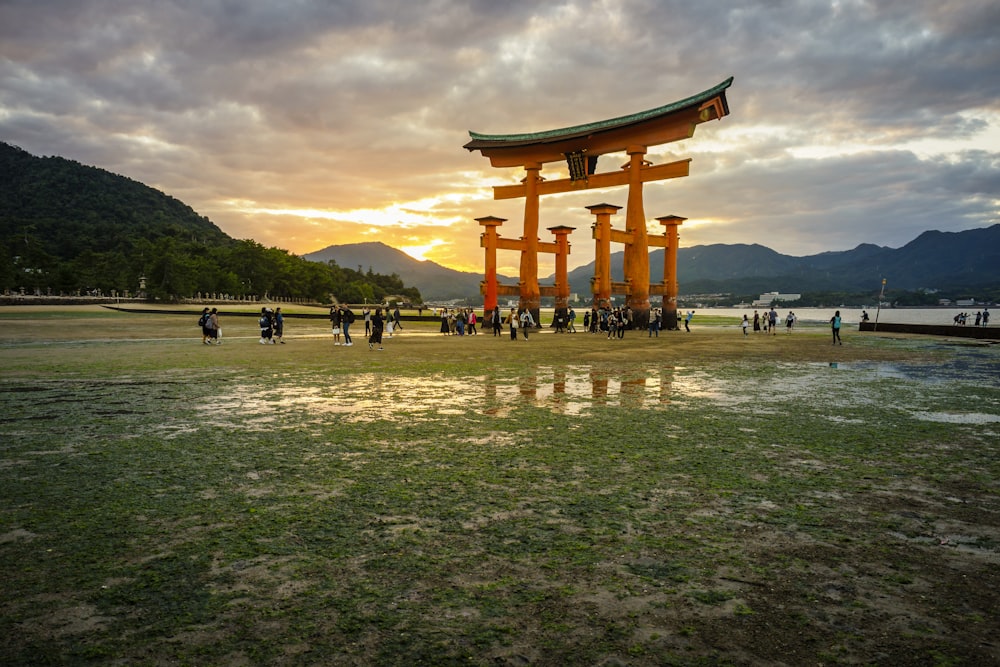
[307, 123]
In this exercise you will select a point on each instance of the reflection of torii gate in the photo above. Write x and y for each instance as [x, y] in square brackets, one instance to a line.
[580, 146]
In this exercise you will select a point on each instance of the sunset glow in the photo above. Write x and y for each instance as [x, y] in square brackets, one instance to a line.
[323, 124]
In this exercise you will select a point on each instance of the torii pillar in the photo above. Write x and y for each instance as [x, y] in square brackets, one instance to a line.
[489, 240]
[670, 223]
[561, 295]
[530, 297]
[637, 249]
[601, 282]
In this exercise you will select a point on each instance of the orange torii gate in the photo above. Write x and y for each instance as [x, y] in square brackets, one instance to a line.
[580, 146]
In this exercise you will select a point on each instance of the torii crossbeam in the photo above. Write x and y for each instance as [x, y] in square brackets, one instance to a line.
[580, 146]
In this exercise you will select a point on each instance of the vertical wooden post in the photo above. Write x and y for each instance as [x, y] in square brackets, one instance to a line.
[601, 282]
[488, 240]
[637, 251]
[670, 224]
[531, 299]
[562, 274]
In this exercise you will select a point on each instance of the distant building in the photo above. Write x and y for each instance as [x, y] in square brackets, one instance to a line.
[771, 297]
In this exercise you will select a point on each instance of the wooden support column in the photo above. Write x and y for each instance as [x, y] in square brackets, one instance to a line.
[670, 224]
[637, 252]
[489, 239]
[562, 273]
[530, 294]
[600, 284]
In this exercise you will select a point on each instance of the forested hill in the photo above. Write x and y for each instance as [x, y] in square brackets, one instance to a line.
[67, 227]
[67, 208]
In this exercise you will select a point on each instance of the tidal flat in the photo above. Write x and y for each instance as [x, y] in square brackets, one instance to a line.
[692, 499]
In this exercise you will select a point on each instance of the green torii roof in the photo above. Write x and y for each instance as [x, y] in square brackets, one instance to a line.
[480, 141]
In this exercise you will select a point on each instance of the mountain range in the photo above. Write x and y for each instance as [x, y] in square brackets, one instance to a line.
[65, 226]
[934, 261]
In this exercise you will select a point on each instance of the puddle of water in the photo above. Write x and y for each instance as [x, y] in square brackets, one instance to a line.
[576, 390]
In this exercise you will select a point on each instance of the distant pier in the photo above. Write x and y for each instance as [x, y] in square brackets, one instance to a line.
[948, 330]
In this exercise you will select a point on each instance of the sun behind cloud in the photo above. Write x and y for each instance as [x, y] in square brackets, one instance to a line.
[419, 252]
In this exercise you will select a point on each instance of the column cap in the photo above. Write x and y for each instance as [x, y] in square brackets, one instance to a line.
[603, 208]
[671, 220]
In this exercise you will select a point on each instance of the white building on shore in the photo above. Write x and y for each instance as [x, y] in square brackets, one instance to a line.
[767, 299]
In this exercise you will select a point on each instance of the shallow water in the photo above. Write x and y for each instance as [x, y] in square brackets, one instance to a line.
[581, 390]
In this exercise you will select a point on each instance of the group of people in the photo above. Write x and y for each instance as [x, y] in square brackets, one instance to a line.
[211, 332]
[514, 321]
[768, 322]
[607, 320]
[376, 324]
[458, 322]
[391, 321]
[982, 318]
[272, 326]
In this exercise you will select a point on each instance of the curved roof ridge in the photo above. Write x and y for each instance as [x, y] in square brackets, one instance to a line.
[609, 123]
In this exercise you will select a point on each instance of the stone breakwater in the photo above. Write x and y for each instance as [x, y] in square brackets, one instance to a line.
[950, 330]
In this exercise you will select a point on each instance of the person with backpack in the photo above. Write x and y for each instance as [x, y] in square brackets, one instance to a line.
[266, 327]
[206, 333]
[346, 320]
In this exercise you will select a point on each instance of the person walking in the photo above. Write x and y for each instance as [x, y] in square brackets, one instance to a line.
[654, 323]
[335, 315]
[266, 327]
[212, 327]
[279, 325]
[346, 320]
[377, 327]
[496, 320]
[527, 321]
[835, 326]
[772, 321]
[203, 321]
[512, 323]
[746, 325]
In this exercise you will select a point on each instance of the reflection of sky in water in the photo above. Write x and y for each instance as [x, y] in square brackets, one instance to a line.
[580, 389]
